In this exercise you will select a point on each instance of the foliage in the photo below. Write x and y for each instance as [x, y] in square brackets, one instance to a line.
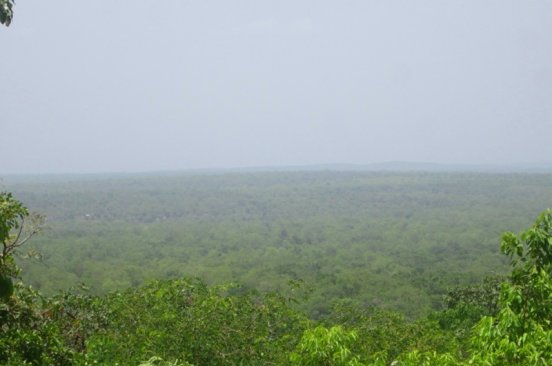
[17, 226]
[429, 358]
[158, 361]
[186, 320]
[521, 332]
[325, 347]
[395, 241]
[385, 335]
[465, 306]
[6, 12]
[28, 333]
[12, 214]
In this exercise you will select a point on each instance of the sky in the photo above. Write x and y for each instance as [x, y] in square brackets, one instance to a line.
[131, 86]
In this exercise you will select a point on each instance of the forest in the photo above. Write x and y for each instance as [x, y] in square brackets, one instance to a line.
[277, 268]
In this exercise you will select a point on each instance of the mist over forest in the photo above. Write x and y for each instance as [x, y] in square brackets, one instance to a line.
[399, 240]
[313, 183]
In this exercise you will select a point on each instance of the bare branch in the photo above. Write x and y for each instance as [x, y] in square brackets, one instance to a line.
[20, 230]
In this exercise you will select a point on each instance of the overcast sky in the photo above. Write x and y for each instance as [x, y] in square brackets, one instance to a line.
[122, 86]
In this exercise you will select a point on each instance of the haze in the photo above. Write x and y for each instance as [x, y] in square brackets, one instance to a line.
[127, 86]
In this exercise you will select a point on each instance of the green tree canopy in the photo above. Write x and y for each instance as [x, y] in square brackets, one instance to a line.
[521, 333]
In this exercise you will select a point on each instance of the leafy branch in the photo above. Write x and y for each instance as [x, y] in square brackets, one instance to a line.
[6, 12]
[17, 226]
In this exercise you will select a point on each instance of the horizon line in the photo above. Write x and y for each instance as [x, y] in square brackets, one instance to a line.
[387, 166]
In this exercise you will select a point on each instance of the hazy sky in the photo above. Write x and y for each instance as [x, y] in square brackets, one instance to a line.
[105, 86]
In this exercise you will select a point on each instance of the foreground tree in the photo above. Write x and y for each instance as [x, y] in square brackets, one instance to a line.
[6, 12]
[521, 332]
[28, 336]
[17, 226]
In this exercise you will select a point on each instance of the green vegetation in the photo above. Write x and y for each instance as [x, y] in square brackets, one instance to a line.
[392, 240]
[184, 321]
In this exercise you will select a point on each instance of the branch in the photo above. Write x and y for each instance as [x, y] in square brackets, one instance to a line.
[20, 230]
[24, 233]
[6, 12]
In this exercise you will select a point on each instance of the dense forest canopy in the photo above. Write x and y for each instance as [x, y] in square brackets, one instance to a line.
[184, 322]
[395, 240]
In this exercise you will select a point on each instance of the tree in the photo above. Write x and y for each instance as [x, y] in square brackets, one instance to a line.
[6, 12]
[12, 214]
[28, 335]
[17, 226]
[325, 347]
[521, 332]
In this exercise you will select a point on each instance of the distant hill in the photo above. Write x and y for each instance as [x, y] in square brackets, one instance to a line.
[403, 166]
[392, 166]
